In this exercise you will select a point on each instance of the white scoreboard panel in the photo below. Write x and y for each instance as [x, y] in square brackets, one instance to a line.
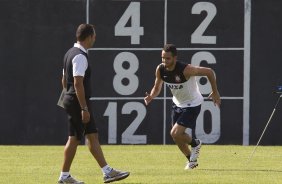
[130, 37]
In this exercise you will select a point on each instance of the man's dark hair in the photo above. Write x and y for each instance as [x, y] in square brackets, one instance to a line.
[83, 31]
[170, 48]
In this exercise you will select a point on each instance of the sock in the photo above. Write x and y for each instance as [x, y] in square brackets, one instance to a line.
[106, 169]
[64, 175]
[194, 142]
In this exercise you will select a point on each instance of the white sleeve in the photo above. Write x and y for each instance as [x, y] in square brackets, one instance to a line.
[79, 65]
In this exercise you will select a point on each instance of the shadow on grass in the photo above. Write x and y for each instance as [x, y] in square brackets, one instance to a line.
[245, 170]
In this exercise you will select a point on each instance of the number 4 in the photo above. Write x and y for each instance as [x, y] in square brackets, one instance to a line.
[135, 31]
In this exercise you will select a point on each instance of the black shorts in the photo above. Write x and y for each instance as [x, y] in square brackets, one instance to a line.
[76, 127]
[185, 116]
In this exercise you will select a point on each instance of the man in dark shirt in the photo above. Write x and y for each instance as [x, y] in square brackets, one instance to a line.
[76, 82]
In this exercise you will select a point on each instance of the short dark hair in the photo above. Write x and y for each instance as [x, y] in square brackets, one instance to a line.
[83, 31]
[170, 48]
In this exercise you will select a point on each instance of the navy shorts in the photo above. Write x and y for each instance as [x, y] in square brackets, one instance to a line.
[185, 116]
[76, 127]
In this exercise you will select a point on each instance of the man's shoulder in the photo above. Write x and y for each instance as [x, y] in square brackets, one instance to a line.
[74, 51]
[181, 66]
[181, 63]
[160, 67]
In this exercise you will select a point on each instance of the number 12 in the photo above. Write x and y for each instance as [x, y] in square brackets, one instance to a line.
[127, 136]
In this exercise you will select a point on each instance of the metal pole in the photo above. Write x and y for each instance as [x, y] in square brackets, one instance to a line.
[264, 129]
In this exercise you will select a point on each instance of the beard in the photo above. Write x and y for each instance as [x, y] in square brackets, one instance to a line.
[168, 64]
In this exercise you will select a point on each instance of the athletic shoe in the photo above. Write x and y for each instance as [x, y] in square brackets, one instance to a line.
[70, 180]
[195, 151]
[191, 165]
[115, 175]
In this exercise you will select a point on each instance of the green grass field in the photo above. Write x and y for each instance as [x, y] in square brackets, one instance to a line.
[150, 164]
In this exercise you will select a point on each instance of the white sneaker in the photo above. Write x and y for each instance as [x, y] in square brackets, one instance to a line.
[70, 180]
[115, 175]
[191, 165]
[195, 152]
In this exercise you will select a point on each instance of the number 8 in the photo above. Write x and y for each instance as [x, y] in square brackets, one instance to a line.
[123, 73]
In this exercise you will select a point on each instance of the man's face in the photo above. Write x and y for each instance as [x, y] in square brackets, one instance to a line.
[168, 59]
[92, 40]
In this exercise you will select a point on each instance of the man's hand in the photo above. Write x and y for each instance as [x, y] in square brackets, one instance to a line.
[85, 116]
[148, 98]
[215, 98]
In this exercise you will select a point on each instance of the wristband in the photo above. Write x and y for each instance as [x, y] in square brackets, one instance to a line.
[84, 109]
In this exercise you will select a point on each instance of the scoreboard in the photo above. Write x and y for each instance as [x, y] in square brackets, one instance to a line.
[130, 37]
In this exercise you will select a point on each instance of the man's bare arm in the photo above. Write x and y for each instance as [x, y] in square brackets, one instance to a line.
[156, 88]
[210, 74]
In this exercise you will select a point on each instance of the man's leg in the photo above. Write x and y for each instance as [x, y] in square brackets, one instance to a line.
[110, 174]
[181, 138]
[69, 153]
[184, 148]
[95, 149]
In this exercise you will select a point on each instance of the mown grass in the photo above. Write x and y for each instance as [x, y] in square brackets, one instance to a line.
[150, 164]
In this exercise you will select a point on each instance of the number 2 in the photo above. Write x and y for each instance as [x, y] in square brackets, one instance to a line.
[197, 36]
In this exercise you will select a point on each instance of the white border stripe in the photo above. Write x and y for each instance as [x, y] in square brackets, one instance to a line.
[247, 61]
[87, 12]
[157, 98]
[159, 49]
[165, 41]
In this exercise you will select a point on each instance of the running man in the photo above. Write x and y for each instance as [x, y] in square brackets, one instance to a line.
[187, 99]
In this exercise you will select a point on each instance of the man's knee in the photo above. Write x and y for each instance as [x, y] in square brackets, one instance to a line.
[73, 140]
[174, 134]
[91, 138]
